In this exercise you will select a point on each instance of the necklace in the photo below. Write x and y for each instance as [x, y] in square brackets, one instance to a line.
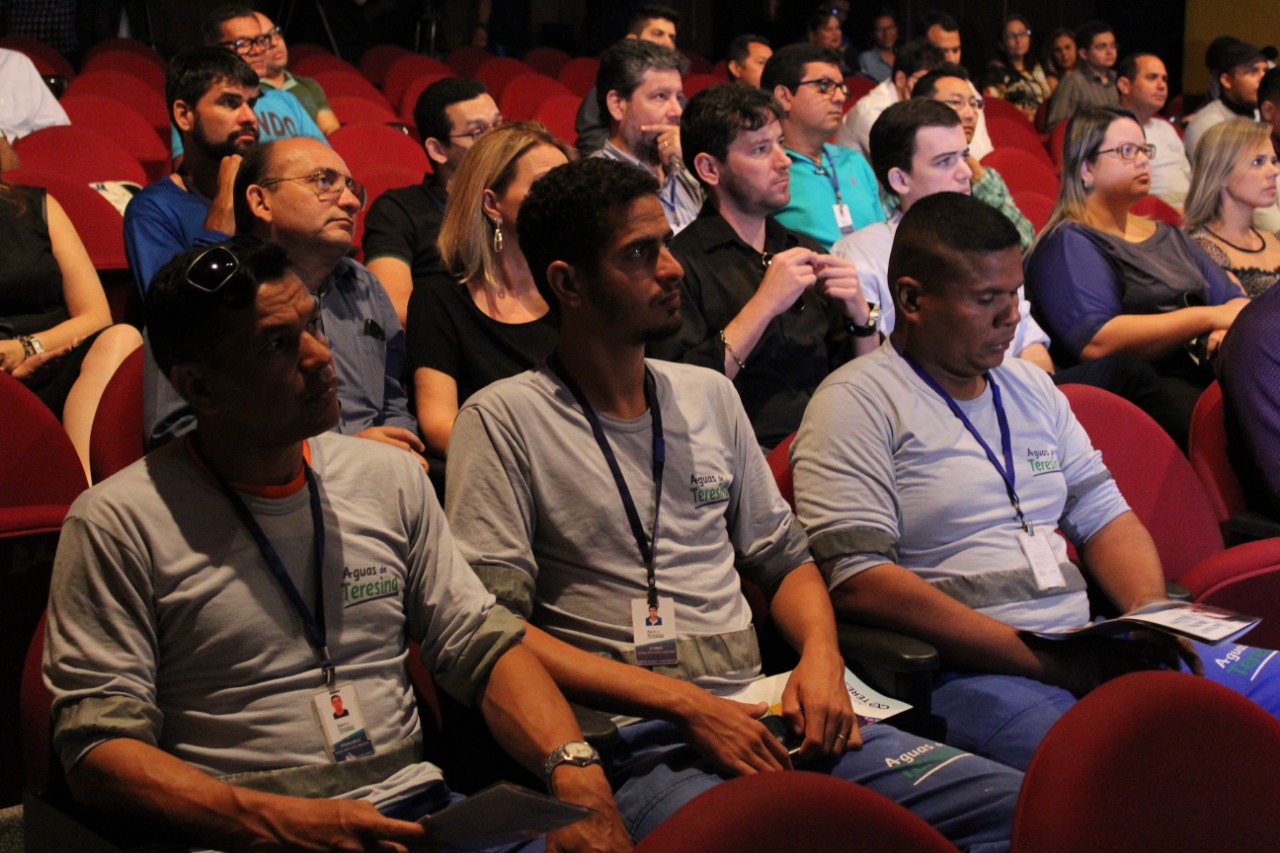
[1262, 240]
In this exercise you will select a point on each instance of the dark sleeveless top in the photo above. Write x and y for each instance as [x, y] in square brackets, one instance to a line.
[30, 280]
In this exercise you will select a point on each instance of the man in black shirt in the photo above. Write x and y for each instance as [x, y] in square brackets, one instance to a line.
[401, 226]
[766, 305]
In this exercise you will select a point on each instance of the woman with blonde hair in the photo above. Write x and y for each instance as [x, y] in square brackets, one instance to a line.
[485, 320]
[1235, 173]
[1104, 280]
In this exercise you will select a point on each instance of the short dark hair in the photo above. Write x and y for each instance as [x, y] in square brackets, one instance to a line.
[1090, 31]
[1128, 67]
[893, 136]
[184, 323]
[623, 65]
[254, 167]
[714, 117]
[645, 14]
[740, 47]
[571, 214]
[917, 55]
[939, 19]
[940, 235]
[211, 23]
[193, 71]
[786, 66]
[1269, 88]
[819, 19]
[429, 111]
[927, 85]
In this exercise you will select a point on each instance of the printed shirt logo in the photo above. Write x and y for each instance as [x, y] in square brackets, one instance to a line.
[710, 489]
[1042, 461]
[369, 583]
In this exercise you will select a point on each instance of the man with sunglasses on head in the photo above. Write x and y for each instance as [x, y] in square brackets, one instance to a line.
[833, 190]
[299, 194]
[236, 29]
[212, 601]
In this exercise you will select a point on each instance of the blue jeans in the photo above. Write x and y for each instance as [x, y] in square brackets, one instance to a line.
[968, 799]
[1004, 717]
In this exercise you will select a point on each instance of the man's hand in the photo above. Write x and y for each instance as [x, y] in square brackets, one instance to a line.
[838, 279]
[221, 215]
[789, 273]
[400, 437]
[816, 703]
[667, 142]
[1081, 664]
[603, 832]
[293, 823]
[731, 737]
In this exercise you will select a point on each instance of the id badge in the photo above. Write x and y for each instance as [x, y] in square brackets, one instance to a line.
[654, 629]
[844, 219]
[1038, 548]
[341, 718]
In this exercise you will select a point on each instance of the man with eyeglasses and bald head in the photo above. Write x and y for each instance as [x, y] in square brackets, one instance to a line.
[299, 194]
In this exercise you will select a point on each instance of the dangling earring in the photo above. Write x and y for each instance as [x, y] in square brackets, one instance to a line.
[497, 236]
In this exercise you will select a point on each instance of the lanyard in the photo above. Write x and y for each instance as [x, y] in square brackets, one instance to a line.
[645, 544]
[834, 175]
[313, 626]
[1007, 473]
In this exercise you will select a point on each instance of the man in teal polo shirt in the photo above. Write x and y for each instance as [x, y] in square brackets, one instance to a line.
[833, 189]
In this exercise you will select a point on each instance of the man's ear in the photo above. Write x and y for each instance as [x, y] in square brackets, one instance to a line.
[708, 169]
[190, 382]
[1224, 80]
[1268, 110]
[259, 202]
[908, 292]
[184, 116]
[735, 70]
[899, 181]
[616, 104]
[563, 280]
[1124, 84]
[784, 96]
[435, 150]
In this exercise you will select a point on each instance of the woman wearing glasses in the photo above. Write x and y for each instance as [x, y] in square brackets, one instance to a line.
[1106, 281]
[56, 335]
[486, 320]
[1013, 75]
[1235, 173]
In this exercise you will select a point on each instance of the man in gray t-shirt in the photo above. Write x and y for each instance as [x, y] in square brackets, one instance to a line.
[594, 486]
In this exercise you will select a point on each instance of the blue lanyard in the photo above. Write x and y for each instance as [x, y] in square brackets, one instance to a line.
[1007, 472]
[835, 176]
[313, 626]
[646, 545]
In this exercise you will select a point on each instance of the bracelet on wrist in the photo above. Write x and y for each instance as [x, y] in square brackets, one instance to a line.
[728, 347]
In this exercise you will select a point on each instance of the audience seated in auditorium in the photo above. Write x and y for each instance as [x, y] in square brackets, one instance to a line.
[276, 75]
[877, 62]
[210, 96]
[655, 24]
[1237, 67]
[1104, 280]
[402, 225]
[1268, 218]
[1013, 74]
[28, 104]
[535, 508]
[188, 694]
[746, 58]
[1143, 84]
[298, 193]
[890, 437]
[484, 319]
[1093, 81]
[56, 335]
[912, 62]
[950, 85]
[1060, 56]
[1235, 174]
[236, 28]
[765, 305]
[639, 90]
[833, 190]
[942, 31]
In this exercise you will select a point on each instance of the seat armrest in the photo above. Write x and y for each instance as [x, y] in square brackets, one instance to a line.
[898, 666]
[1248, 527]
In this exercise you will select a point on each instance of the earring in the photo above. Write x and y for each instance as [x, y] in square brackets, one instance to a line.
[497, 236]
[1088, 186]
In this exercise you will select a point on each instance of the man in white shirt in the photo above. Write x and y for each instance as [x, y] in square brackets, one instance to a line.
[943, 32]
[26, 104]
[912, 62]
[1144, 85]
[1238, 67]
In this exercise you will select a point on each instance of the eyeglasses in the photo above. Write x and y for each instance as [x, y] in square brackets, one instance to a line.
[1129, 151]
[328, 184]
[825, 85]
[480, 131]
[248, 45]
[958, 103]
[1020, 34]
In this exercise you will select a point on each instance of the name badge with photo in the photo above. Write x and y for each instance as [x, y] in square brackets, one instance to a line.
[654, 629]
[341, 720]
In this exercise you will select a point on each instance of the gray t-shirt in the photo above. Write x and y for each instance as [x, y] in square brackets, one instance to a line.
[538, 514]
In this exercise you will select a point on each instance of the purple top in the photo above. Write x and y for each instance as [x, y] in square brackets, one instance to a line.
[1249, 370]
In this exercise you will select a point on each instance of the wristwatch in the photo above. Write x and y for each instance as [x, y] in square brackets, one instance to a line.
[30, 345]
[576, 752]
[866, 331]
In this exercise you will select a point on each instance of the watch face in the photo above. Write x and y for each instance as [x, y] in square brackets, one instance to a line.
[579, 751]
